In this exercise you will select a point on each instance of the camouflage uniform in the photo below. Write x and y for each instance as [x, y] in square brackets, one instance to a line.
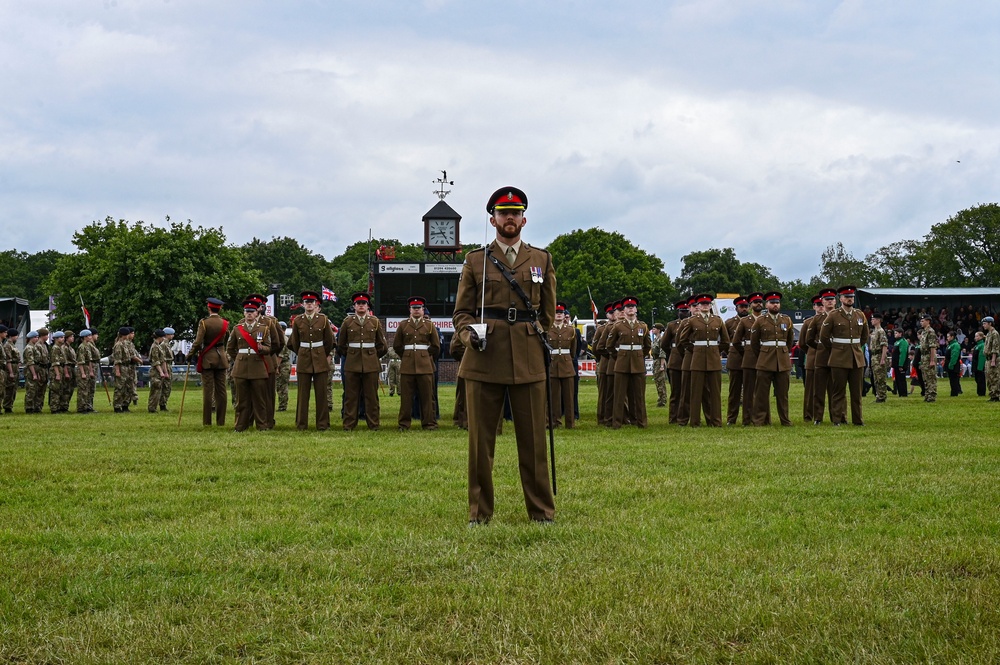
[928, 368]
[284, 376]
[57, 384]
[69, 382]
[156, 379]
[991, 347]
[10, 389]
[659, 372]
[33, 373]
[87, 364]
[168, 383]
[394, 363]
[121, 358]
[133, 383]
[876, 343]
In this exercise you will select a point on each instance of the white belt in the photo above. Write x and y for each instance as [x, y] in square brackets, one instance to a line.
[245, 351]
[773, 344]
[705, 342]
[310, 345]
[361, 345]
[746, 342]
[845, 340]
[416, 347]
[673, 346]
[560, 352]
[630, 347]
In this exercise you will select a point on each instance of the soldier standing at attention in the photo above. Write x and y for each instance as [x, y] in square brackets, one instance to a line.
[771, 337]
[248, 349]
[159, 373]
[276, 343]
[734, 361]
[168, 362]
[748, 363]
[684, 410]
[57, 360]
[284, 371]
[805, 337]
[668, 343]
[629, 345]
[928, 358]
[32, 371]
[418, 346]
[659, 365]
[878, 347]
[510, 358]
[991, 349]
[121, 358]
[69, 372]
[86, 368]
[392, 372]
[209, 346]
[603, 362]
[43, 364]
[821, 381]
[562, 340]
[132, 381]
[705, 334]
[361, 343]
[312, 342]
[845, 332]
[10, 361]
[4, 365]
[953, 364]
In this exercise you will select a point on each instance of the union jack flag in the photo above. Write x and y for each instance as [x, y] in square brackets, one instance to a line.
[328, 294]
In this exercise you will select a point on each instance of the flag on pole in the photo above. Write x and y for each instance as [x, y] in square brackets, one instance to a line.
[328, 294]
[86, 314]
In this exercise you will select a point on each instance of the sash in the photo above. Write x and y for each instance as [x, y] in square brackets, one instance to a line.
[252, 343]
[211, 345]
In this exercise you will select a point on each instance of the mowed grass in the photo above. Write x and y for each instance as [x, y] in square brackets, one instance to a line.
[128, 539]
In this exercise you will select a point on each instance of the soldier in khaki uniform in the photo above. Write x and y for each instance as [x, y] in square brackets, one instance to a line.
[748, 363]
[845, 332]
[69, 385]
[209, 347]
[771, 338]
[10, 361]
[459, 415]
[362, 343]
[159, 372]
[284, 370]
[704, 336]
[805, 337]
[659, 365]
[87, 361]
[675, 357]
[928, 341]
[4, 364]
[392, 372]
[629, 344]
[57, 371]
[418, 346]
[43, 366]
[684, 410]
[878, 348]
[248, 350]
[562, 340]
[312, 342]
[991, 349]
[509, 358]
[277, 344]
[604, 389]
[32, 371]
[734, 361]
[821, 380]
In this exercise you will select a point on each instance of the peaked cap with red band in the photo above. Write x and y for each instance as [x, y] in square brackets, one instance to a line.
[309, 295]
[772, 295]
[756, 296]
[827, 293]
[817, 299]
[560, 307]
[610, 307]
[630, 301]
[416, 301]
[741, 301]
[214, 304]
[507, 198]
[618, 305]
[682, 304]
[705, 297]
[848, 290]
[361, 296]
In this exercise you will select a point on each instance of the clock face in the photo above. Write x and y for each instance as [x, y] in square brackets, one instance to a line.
[441, 232]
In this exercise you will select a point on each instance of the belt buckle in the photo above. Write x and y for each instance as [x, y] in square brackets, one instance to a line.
[511, 315]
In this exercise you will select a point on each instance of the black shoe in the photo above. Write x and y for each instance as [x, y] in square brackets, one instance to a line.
[281, 408]
[118, 409]
[544, 520]
[163, 408]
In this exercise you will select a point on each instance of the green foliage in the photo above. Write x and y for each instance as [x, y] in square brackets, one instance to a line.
[147, 277]
[970, 242]
[612, 267]
[719, 271]
[839, 267]
[22, 275]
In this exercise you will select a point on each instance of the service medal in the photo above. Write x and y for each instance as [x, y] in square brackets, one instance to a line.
[536, 274]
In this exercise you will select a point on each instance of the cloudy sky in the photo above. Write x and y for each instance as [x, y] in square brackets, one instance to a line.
[776, 127]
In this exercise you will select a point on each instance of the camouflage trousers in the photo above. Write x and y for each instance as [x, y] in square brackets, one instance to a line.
[394, 377]
[660, 379]
[3, 388]
[156, 384]
[123, 387]
[59, 391]
[168, 387]
[929, 374]
[879, 378]
[86, 386]
[281, 386]
[993, 382]
[34, 390]
[10, 391]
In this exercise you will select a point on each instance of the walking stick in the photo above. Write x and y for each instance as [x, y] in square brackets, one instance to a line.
[104, 382]
[547, 353]
[180, 413]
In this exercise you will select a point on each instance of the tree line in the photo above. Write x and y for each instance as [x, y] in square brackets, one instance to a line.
[133, 273]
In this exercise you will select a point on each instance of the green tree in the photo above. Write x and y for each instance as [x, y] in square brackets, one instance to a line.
[22, 275]
[612, 267]
[148, 277]
[719, 271]
[350, 269]
[969, 244]
[839, 267]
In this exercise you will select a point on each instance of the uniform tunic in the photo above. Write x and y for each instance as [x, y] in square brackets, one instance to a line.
[213, 364]
[362, 343]
[513, 362]
[770, 338]
[250, 374]
[312, 342]
[605, 375]
[928, 341]
[562, 339]
[418, 345]
[845, 333]
[87, 364]
[748, 365]
[629, 344]
[704, 336]
[878, 344]
[734, 367]
[675, 357]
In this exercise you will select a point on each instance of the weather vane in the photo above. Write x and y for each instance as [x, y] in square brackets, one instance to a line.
[442, 181]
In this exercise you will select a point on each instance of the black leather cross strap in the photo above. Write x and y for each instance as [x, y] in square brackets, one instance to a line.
[509, 276]
[512, 315]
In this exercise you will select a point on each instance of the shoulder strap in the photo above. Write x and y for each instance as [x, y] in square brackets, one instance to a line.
[512, 281]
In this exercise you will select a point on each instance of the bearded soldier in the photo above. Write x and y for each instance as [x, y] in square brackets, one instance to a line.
[771, 337]
[845, 332]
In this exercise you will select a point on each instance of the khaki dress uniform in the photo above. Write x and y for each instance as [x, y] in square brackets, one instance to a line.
[362, 343]
[821, 394]
[213, 364]
[276, 344]
[928, 363]
[991, 348]
[675, 357]
[703, 336]
[734, 367]
[629, 344]
[250, 374]
[562, 339]
[877, 343]
[605, 376]
[805, 336]
[845, 333]
[513, 362]
[684, 409]
[88, 361]
[459, 416]
[418, 345]
[770, 338]
[312, 342]
[748, 365]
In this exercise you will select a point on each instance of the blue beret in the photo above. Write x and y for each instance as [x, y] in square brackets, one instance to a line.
[988, 319]
[58, 334]
[33, 334]
[85, 333]
[168, 331]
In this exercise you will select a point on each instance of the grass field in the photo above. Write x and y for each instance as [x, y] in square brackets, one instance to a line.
[128, 539]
